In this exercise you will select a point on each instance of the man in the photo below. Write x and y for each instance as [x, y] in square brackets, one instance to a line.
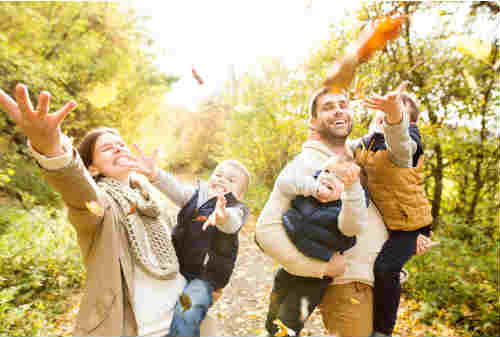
[347, 307]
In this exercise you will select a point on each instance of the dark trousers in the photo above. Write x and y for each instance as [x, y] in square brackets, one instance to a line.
[396, 251]
[293, 299]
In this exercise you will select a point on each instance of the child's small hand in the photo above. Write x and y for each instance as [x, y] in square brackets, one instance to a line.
[350, 174]
[219, 215]
[389, 103]
[424, 244]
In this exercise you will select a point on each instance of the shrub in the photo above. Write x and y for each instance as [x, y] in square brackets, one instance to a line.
[40, 266]
[459, 277]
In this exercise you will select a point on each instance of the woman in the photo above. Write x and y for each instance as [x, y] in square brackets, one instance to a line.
[133, 279]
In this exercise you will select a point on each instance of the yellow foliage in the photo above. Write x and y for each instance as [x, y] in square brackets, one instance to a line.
[476, 48]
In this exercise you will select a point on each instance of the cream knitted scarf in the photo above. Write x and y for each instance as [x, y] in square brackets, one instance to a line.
[148, 235]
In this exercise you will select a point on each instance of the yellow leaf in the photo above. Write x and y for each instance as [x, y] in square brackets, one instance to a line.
[283, 330]
[355, 301]
[471, 81]
[95, 208]
[185, 302]
[101, 95]
[476, 48]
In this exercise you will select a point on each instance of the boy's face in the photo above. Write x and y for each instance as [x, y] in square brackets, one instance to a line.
[227, 178]
[377, 124]
[330, 184]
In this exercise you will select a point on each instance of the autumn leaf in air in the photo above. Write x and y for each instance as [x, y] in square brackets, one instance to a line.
[95, 208]
[283, 330]
[341, 73]
[196, 76]
[132, 209]
[185, 302]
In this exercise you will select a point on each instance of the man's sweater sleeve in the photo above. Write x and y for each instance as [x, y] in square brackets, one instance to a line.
[400, 145]
[354, 210]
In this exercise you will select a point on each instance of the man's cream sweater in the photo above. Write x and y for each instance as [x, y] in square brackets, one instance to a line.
[355, 219]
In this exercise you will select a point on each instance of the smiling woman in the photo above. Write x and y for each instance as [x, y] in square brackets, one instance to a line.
[133, 279]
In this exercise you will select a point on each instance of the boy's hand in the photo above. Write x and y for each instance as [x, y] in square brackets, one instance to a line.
[424, 244]
[349, 174]
[390, 103]
[219, 215]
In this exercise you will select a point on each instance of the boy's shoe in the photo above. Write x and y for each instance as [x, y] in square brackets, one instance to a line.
[403, 276]
[378, 334]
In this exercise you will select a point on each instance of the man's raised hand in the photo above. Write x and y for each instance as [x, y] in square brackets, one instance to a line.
[42, 128]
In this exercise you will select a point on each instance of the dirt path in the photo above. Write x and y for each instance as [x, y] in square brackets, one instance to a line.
[242, 308]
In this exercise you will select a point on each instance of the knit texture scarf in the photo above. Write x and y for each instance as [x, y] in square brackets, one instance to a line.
[148, 235]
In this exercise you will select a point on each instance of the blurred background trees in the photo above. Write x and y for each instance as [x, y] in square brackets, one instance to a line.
[102, 56]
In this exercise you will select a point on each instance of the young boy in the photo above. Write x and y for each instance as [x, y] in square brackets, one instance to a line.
[312, 224]
[205, 237]
[391, 155]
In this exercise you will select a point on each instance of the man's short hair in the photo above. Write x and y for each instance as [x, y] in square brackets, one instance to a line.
[313, 104]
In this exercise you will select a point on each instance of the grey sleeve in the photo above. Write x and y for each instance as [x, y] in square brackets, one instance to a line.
[179, 193]
[354, 210]
[400, 145]
[236, 217]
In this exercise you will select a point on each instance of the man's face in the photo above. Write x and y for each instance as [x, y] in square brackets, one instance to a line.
[334, 118]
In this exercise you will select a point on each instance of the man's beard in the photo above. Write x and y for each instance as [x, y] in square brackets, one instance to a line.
[331, 137]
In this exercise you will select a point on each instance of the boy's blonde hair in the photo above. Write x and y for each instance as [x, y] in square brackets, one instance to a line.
[242, 168]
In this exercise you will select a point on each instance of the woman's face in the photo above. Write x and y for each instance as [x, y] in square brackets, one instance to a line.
[111, 157]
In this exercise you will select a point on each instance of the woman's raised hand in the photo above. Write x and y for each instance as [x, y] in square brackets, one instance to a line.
[42, 128]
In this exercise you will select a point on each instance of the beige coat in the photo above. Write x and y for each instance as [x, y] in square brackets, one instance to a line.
[105, 309]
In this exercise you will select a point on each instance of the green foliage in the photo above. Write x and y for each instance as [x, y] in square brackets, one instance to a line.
[458, 280]
[40, 265]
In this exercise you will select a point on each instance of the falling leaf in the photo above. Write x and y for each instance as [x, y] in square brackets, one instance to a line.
[201, 218]
[132, 209]
[95, 208]
[185, 302]
[385, 30]
[102, 95]
[196, 76]
[476, 48]
[341, 73]
[355, 301]
[283, 330]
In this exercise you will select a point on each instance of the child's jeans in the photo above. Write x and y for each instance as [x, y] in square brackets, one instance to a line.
[396, 251]
[190, 311]
[293, 300]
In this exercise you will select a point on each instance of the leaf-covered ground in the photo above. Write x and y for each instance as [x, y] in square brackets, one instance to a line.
[242, 309]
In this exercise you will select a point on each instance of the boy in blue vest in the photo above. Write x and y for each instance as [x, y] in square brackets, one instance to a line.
[313, 225]
[205, 237]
